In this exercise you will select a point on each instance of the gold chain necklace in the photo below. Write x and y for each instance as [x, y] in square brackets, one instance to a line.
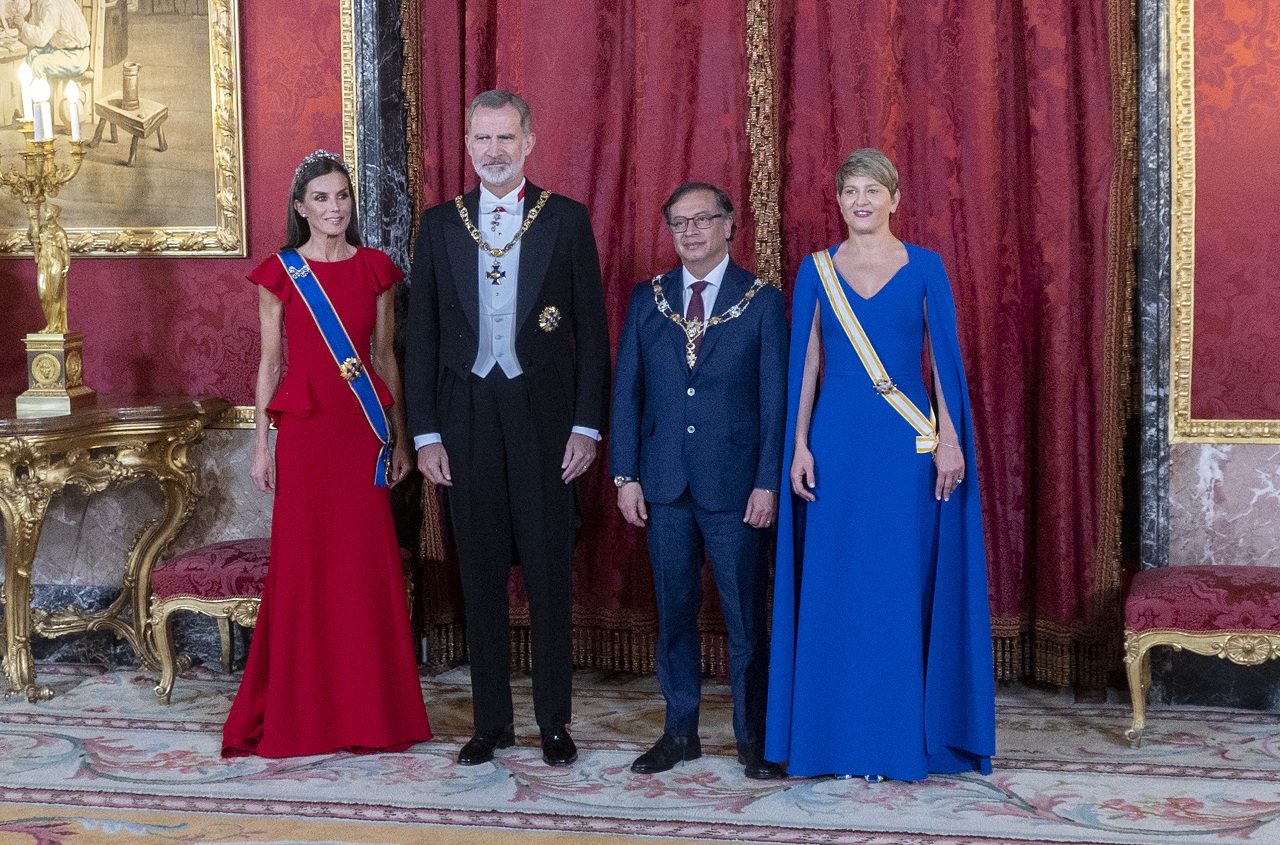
[693, 328]
[479, 238]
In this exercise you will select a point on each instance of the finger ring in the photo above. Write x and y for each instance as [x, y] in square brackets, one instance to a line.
[958, 480]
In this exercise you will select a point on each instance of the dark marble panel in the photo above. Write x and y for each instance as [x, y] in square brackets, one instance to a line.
[193, 633]
[1186, 678]
[381, 142]
[1154, 280]
[100, 647]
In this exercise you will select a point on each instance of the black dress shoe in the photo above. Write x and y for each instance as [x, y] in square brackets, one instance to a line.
[557, 746]
[666, 752]
[756, 767]
[479, 749]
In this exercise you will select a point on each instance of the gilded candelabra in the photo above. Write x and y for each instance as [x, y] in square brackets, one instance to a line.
[54, 360]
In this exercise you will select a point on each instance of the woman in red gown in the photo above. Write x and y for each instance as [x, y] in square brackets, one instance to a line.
[332, 665]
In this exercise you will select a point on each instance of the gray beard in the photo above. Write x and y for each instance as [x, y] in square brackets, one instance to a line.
[495, 174]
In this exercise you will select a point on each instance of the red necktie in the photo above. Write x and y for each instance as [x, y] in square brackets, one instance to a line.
[696, 311]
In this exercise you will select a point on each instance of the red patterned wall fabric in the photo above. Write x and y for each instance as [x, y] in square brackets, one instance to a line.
[1009, 125]
[179, 325]
[1004, 122]
[1235, 370]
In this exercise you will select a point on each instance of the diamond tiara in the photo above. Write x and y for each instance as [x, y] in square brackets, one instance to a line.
[317, 156]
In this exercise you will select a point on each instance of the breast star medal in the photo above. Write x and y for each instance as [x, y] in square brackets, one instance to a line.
[549, 318]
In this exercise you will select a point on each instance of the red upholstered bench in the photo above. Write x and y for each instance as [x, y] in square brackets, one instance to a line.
[1230, 611]
[222, 580]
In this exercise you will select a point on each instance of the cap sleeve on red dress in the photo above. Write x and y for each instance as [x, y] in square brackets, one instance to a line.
[385, 272]
[270, 274]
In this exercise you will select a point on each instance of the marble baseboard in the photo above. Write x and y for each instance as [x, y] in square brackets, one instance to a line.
[193, 634]
[1195, 679]
[1224, 504]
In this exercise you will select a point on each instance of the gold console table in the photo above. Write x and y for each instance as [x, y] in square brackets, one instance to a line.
[120, 441]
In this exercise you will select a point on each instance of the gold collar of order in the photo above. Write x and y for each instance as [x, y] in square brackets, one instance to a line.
[693, 328]
[479, 238]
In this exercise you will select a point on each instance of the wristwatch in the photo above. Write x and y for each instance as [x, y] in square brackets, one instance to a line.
[619, 480]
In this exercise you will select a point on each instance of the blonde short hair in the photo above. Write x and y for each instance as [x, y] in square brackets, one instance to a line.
[871, 163]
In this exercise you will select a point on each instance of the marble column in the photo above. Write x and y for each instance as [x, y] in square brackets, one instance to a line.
[381, 143]
[1154, 281]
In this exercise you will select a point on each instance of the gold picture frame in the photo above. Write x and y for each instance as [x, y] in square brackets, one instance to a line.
[1182, 122]
[347, 50]
[243, 416]
[197, 164]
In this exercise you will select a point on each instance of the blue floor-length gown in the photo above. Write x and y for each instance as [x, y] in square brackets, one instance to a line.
[881, 653]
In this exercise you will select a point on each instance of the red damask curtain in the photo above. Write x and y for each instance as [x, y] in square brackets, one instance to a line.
[1013, 129]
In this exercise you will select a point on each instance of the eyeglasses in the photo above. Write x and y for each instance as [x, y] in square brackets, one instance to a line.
[702, 221]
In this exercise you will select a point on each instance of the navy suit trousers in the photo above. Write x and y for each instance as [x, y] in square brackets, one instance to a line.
[681, 534]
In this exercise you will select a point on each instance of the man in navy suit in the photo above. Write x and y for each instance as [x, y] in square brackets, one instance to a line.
[699, 411]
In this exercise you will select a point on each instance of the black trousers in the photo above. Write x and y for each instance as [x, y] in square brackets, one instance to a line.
[508, 506]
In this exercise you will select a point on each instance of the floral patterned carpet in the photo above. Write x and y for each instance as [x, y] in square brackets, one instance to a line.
[104, 763]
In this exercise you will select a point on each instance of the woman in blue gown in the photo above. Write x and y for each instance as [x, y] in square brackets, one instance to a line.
[881, 654]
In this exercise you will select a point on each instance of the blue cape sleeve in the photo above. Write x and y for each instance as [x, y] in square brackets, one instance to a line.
[959, 672]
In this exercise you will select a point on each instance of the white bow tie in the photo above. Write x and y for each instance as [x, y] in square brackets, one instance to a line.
[489, 207]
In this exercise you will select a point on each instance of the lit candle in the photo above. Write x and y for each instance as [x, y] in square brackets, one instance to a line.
[40, 92]
[24, 77]
[37, 124]
[73, 109]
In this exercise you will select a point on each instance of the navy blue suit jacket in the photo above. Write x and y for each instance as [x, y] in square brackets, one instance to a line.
[716, 429]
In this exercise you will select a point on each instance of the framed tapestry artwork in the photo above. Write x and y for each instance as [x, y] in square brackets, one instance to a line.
[159, 111]
[1225, 127]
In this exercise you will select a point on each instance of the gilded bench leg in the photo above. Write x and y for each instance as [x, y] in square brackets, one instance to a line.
[164, 651]
[1137, 664]
[224, 635]
[243, 610]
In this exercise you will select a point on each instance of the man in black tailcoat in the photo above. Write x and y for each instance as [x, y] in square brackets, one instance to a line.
[507, 378]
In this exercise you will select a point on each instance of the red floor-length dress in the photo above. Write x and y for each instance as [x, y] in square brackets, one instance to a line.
[332, 663]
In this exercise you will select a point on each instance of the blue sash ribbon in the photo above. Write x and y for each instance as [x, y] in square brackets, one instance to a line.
[344, 353]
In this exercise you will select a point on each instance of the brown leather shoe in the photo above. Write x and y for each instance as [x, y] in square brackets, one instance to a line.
[479, 749]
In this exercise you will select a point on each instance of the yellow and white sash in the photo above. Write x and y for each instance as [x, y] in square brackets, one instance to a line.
[926, 427]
